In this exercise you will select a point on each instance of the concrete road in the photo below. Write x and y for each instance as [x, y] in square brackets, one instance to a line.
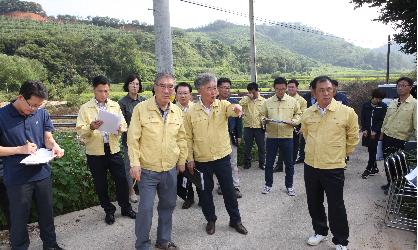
[274, 221]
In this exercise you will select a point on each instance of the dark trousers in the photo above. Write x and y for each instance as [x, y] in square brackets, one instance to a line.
[286, 146]
[4, 202]
[295, 151]
[223, 171]
[330, 181]
[190, 191]
[99, 165]
[20, 199]
[249, 135]
[372, 148]
[391, 145]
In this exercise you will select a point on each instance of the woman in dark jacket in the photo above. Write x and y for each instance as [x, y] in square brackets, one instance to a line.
[127, 104]
[372, 115]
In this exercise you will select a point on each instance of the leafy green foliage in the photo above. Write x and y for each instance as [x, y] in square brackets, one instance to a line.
[402, 14]
[15, 69]
[72, 182]
[7, 6]
[74, 51]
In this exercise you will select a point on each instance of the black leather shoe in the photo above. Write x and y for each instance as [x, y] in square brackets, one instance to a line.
[110, 219]
[187, 204]
[54, 247]
[261, 166]
[239, 228]
[210, 227]
[129, 213]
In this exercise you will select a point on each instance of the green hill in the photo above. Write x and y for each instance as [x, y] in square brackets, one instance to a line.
[71, 50]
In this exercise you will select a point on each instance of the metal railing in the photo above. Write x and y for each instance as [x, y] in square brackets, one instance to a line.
[64, 124]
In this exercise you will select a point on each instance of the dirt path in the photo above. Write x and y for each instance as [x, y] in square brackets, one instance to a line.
[274, 221]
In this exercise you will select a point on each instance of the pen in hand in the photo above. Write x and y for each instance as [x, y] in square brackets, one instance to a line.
[29, 148]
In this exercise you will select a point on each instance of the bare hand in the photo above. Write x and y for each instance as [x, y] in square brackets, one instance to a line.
[135, 173]
[250, 95]
[238, 141]
[28, 148]
[373, 135]
[365, 133]
[190, 166]
[181, 168]
[238, 110]
[57, 152]
[95, 124]
[381, 137]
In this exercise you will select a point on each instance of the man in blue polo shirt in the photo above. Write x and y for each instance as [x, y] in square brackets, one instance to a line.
[25, 127]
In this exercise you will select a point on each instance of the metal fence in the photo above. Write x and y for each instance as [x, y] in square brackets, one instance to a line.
[63, 124]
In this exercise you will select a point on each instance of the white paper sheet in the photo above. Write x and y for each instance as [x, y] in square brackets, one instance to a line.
[41, 156]
[412, 177]
[274, 121]
[111, 122]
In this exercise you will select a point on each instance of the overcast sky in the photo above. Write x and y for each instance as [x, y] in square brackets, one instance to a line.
[336, 17]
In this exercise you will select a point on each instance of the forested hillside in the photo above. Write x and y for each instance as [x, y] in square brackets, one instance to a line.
[67, 49]
[324, 49]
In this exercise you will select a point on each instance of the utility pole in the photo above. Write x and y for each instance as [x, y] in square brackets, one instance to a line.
[162, 30]
[252, 44]
[387, 61]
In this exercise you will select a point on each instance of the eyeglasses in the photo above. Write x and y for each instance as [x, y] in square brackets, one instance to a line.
[31, 106]
[403, 86]
[165, 86]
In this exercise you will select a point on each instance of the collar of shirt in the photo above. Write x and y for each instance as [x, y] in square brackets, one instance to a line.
[409, 99]
[13, 111]
[206, 109]
[284, 98]
[183, 108]
[101, 105]
[163, 113]
[330, 107]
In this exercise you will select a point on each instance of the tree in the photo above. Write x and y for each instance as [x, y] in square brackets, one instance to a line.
[15, 70]
[402, 14]
[16, 5]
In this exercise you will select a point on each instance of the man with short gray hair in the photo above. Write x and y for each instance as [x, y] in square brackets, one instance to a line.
[209, 148]
[156, 146]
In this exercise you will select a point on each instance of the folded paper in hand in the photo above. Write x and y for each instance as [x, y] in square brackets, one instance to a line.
[41, 156]
[111, 122]
[274, 121]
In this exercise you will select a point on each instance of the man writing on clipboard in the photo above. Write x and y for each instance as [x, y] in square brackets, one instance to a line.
[25, 127]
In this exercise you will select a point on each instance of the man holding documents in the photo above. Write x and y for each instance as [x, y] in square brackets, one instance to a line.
[209, 148]
[156, 146]
[25, 127]
[100, 124]
[281, 113]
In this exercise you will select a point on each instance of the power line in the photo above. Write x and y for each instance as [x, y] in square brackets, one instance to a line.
[261, 19]
[273, 22]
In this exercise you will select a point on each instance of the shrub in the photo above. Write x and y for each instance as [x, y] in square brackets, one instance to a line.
[358, 93]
